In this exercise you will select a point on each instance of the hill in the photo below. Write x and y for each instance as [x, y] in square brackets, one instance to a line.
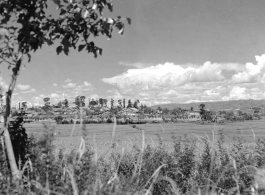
[216, 106]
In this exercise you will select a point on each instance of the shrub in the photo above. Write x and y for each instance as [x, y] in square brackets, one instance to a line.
[58, 119]
[109, 120]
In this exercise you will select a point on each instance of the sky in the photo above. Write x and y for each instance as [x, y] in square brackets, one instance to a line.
[175, 51]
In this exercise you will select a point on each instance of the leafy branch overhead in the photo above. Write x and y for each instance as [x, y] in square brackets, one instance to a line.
[25, 26]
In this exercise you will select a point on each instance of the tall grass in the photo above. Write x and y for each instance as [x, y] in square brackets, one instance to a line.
[190, 164]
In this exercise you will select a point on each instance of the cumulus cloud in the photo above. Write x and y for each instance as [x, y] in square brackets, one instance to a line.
[211, 92]
[87, 83]
[76, 89]
[32, 90]
[252, 72]
[167, 74]
[192, 82]
[67, 80]
[54, 98]
[3, 84]
[237, 93]
[37, 100]
[54, 95]
[23, 87]
[135, 65]
[55, 84]
[69, 85]
[86, 87]
[71, 90]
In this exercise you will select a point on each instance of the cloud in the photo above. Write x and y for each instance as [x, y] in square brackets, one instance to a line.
[252, 72]
[71, 90]
[135, 65]
[171, 82]
[3, 84]
[54, 98]
[167, 74]
[211, 92]
[37, 100]
[167, 83]
[83, 88]
[23, 87]
[69, 85]
[67, 80]
[87, 83]
[32, 90]
[74, 88]
[54, 95]
[237, 93]
[55, 84]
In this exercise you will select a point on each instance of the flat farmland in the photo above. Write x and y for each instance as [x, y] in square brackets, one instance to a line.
[98, 136]
[103, 132]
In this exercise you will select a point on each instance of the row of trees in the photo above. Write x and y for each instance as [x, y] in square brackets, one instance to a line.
[97, 104]
[80, 102]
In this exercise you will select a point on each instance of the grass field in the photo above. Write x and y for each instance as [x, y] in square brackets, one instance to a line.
[102, 133]
[186, 164]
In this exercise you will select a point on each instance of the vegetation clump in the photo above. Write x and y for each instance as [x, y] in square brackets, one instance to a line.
[184, 166]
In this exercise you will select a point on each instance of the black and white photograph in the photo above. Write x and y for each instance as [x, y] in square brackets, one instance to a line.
[132, 97]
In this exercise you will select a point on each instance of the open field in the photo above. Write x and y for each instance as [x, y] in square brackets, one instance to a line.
[192, 159]
[99, 135]
[103, 132]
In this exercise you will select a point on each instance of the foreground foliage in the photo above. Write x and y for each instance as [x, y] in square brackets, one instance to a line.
[186, 166]
[25, 27]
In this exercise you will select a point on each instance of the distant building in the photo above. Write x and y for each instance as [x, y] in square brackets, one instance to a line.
[129, 112]
[194, 116]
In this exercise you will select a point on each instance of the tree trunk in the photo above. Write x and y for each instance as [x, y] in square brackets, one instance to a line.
[8, 143]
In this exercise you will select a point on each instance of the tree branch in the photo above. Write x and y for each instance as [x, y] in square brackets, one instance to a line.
[10, 63]
[8, 143]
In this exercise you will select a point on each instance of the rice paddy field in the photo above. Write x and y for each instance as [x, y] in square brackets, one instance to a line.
[117, 150]
[102, 133]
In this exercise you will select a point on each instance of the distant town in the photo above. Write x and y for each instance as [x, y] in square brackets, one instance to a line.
[127, 111]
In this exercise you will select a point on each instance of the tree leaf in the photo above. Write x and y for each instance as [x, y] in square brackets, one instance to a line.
[81, 47]
[86, 14]
[66, 50]
[12, 28]
[3, 33]
[57, 2]
[95, 53]
[121, 31]
[10, 45]
[94, 6]
[48, 41]
[100, 51]
[110, 6]
[59, 49]
[129, 20]
[120, 27]
[109, 20]
[62, 12]
[66, 44]
[29, 57]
